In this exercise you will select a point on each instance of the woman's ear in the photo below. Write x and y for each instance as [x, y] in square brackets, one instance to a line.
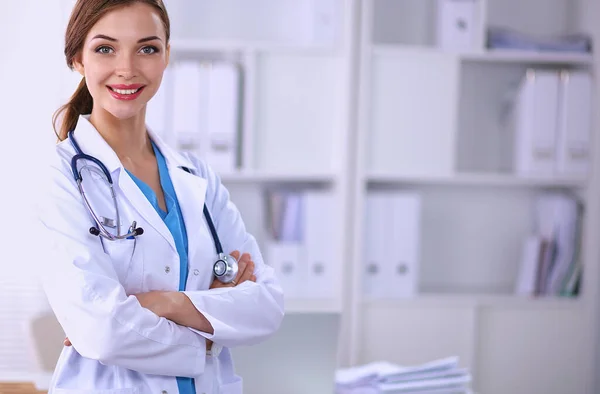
[167, 54]
[78, 66]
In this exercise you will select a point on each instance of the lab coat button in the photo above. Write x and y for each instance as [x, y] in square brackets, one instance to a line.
[196, 272]
[167, 270]
[164, 392]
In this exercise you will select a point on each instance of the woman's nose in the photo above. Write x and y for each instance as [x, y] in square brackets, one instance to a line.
[126, 67]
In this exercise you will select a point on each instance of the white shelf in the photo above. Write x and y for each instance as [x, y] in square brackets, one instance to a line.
[475, 179]
[198, 46]
[510, 56]
[266, 177]
[474, 300]
[310, 306]
[492, 56]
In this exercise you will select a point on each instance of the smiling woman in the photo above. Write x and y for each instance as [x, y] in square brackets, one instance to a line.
[144, 307]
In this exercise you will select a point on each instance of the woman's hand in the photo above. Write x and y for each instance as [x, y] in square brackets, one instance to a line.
[245, 271]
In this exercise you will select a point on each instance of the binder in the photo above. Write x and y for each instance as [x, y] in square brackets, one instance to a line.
[158, 108]
[404, 247]
[535, 123]
[531, 255]
[284, 249]
[575, 117]
[376, 248]
[325, 26]
[320, 251]
[220, 143]
[190, 87]
[456, 22]
[285, 258]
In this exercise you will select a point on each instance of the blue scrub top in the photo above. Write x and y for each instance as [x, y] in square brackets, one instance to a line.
[174, 221]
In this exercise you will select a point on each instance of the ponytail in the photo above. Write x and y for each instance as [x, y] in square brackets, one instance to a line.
[80, 103]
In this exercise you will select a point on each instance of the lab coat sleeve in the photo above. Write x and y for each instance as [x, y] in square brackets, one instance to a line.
[82, 287]
[251, 311]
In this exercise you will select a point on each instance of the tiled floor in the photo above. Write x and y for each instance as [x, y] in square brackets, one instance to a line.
[18, 388]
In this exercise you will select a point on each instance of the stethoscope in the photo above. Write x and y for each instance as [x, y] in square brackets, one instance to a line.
[225, 269]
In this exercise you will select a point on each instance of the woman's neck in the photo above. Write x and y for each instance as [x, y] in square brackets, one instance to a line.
[128, 138]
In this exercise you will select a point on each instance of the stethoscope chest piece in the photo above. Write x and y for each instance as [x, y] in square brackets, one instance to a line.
[225, 268]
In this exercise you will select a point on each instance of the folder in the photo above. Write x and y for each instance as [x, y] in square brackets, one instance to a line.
[404, 249]
[535, 123]
[456, 24]
[376, 247]
[575, 117]
[285, 258]
[284, 248]
[320, 246]
[158, 108]
[220, 144]
[326, 23]
[190, 92]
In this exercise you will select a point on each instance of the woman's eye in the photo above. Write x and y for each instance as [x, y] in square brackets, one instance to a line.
[149, 50]
[103, 50]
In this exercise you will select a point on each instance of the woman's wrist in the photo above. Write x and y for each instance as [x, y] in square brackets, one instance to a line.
[182, 311]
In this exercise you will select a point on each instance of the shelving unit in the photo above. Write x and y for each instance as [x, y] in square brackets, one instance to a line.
[429, 121]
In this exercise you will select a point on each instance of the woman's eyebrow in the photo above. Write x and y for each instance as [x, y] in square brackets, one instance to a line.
[105, 37]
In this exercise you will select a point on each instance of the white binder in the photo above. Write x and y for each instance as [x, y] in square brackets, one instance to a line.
[456, 24]
[284, 250]
[575, 117]
[376, 247]
[320, 256]
[220, 143]
[403, 249]
[190, 92]
[535, 123]
[158, 108]
[325, 14]
[285, 258]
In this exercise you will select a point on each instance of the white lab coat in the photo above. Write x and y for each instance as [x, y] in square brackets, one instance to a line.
[118, 346]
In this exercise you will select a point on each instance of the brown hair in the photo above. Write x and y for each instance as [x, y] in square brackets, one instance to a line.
[84, 16]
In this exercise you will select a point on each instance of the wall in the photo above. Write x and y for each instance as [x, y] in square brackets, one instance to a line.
[32, 71]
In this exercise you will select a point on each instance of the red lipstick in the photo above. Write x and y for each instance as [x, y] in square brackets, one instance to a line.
[125, 96]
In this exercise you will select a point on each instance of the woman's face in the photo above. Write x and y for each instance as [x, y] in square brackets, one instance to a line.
[123, 59]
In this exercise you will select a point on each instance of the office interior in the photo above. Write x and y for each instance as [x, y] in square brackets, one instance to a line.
[422, 175]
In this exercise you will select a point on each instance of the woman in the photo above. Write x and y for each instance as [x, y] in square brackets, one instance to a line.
[143, 313]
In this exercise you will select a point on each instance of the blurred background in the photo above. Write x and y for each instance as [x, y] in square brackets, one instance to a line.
[421, 174]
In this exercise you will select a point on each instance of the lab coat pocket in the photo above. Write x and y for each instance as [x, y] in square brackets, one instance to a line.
[127, 259]
[234, 387]
[88, 391]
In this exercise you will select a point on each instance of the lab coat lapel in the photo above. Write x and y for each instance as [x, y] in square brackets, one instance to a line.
[190, 189]
[191, 194]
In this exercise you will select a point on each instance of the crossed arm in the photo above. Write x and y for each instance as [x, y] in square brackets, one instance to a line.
[179, 308]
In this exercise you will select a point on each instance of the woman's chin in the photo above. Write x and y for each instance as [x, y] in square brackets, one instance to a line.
[125, 113]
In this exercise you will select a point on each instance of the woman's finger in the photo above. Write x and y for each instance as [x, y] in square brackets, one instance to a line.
[235, 254]
[248, 272]
[241, 269]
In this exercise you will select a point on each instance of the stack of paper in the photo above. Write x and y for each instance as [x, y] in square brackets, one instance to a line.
[551, 256]
[442, 376]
